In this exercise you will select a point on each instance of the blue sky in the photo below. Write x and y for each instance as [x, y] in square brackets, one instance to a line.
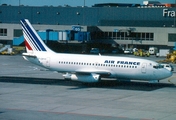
[72, 2]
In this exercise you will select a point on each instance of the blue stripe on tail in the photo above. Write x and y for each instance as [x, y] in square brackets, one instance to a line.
[32, 36]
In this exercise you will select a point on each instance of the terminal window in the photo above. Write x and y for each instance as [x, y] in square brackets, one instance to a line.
[3, 32]
[124, 36]
[17, 33]
[144, 36]
[172, 37]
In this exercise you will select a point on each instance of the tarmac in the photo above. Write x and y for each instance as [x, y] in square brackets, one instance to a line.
[30, 92]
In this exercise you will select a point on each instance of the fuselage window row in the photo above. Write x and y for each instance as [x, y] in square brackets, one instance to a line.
[102, 65]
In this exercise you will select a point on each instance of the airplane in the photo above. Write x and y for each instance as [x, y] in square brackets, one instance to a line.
[89, 68]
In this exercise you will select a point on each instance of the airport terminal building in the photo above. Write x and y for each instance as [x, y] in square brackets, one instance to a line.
[128, 25]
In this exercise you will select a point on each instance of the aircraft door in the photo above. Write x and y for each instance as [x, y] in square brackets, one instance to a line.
[143, 69]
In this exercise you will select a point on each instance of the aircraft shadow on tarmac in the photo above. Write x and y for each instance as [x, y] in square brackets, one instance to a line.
[140, 86]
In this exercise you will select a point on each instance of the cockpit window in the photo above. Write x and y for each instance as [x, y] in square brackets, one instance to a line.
[158, 66]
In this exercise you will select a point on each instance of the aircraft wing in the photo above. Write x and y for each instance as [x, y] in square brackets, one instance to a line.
[89, 71]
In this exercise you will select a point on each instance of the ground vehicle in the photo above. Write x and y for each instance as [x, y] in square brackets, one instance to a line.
[153, 50]
[128, 51]
[94, 51]
[163, 53]
[142, 53]
[171, 57]
[115, 51]
[6, 50]
[168, 66]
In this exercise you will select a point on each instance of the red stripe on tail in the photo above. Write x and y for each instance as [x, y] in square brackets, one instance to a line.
[27, 45]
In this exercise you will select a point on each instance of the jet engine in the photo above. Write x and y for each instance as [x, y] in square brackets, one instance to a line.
[88, 78]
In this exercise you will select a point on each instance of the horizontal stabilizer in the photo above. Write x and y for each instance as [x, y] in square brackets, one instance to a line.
[29, 55]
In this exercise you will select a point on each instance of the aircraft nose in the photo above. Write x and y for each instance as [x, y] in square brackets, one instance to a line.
[163, 73]
[170, 73]
[166, 73]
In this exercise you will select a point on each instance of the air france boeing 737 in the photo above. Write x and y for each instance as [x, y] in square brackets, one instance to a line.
[88, 68]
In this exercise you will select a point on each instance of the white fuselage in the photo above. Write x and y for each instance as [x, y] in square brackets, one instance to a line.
[117, 67]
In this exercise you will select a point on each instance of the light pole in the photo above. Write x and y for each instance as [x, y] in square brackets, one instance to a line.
[174, 16]
[84, 3]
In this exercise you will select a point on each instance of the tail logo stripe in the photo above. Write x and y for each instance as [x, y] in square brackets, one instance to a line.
[36, 39]
[29, 42]
[27, 45]
[32, 40]
[32, 37]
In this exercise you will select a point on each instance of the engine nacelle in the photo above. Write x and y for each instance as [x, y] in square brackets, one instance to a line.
[83, 77]
[154, 81]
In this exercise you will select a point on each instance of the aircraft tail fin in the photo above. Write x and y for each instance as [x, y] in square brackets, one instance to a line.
[33, 42]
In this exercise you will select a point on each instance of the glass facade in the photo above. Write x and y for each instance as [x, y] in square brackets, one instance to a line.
[124, 36]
